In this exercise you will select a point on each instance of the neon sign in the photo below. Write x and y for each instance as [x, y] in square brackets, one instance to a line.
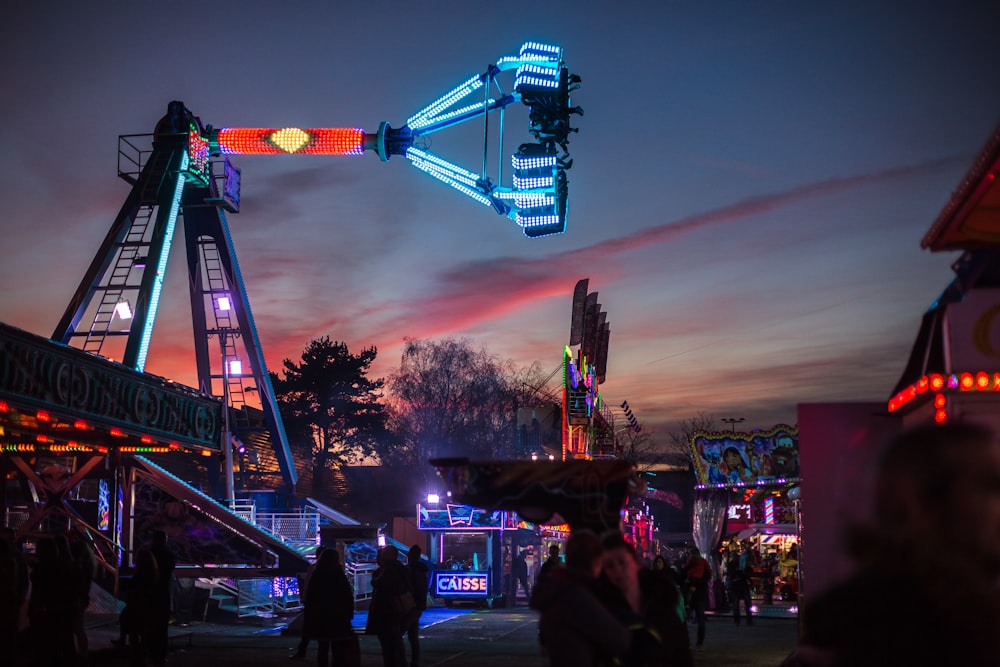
[464, 584]
[462, 517]
[199, 150]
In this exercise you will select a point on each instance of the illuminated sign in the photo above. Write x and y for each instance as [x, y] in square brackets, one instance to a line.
[231, 187]
[198, 154]
[462, 517]
[469, 584]
[287, 140]
[738, 513]
[103, 505]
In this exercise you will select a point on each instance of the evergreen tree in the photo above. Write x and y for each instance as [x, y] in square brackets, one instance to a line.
[332, 408]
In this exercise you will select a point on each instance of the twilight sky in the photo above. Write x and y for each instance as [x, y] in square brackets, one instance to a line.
[750, 186]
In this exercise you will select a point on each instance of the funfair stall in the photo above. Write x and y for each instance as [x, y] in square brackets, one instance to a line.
[465, 546]
[747, 494]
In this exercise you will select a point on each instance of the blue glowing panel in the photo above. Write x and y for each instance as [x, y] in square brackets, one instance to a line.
[161, 267]
[534, 76]
[460, 179]
[426, 115]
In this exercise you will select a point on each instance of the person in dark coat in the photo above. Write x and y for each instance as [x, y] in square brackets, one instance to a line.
[140, 601]
[13, 589]
[53, 603]
[390, 582]
[925, 591]
[300, 650]
[419, 574]
[161, 606]
[553, 561]
[329, 607]
[84, 569]
[521, 575]
[575, 628]
[649, 603]
[697, 576]
[738, 573]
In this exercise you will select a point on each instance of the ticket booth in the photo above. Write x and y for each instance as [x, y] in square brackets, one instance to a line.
[464, 551]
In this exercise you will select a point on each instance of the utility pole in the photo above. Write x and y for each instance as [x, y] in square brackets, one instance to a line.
[733, 421]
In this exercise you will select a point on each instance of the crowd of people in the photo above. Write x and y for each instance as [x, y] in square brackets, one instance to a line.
[604, 607]
[44, 597]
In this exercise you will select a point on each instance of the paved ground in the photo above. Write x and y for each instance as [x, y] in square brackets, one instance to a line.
[451, 638]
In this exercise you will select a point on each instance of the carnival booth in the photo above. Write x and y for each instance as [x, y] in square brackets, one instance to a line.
[465, 543]
[747, 494]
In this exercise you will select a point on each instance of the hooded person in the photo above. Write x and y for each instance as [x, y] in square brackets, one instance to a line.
[575, 628]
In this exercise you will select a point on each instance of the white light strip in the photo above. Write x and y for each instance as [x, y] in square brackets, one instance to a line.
[530, 182]
[532, 75]
[443, 165]
[161, 265]
[537, 220]
[538, 49]
[424, 121]
[448, 178]
[445, 101]
[522, 163]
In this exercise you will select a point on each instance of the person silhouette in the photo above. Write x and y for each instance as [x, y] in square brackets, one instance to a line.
[912, 602]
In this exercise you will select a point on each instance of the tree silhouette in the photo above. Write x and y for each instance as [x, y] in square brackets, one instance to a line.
[451, 399]
[331, 408]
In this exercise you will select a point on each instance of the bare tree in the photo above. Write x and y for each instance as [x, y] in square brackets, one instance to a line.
[680, 436]
[451, 399]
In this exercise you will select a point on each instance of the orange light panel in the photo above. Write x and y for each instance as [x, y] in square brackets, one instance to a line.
[288, 140]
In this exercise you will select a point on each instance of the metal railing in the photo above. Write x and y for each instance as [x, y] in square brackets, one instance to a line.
[360, 575]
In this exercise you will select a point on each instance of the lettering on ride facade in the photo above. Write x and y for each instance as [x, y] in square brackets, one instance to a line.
[45, 375]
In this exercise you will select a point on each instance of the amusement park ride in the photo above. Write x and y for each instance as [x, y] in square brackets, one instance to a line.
[182, 172]
[176, 178]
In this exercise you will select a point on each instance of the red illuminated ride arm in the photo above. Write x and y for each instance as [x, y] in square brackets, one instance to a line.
[288, 140]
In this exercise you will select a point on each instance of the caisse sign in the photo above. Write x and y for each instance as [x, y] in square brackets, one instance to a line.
[467, 584]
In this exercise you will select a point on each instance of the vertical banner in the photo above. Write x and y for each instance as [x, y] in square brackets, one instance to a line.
[576, 322]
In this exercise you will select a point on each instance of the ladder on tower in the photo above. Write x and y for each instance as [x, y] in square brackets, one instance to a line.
[129, 255]
[226, 329]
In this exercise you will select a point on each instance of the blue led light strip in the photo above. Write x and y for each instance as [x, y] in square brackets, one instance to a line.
[528, 183]
[161, 265]
[443, 166]
[445, 101]
[418, 122]
[531, 52]
[533, 75]
[447, 173]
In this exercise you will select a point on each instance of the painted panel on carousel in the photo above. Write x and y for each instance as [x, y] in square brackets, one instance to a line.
[746, 459]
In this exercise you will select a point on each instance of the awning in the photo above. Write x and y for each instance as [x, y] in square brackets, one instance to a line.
[767, 529]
